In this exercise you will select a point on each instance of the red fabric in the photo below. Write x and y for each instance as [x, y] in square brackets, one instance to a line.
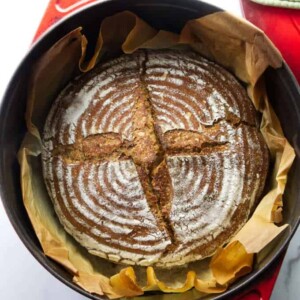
[57, 9]
[282, 25]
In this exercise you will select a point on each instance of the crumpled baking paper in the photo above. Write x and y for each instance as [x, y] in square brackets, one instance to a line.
[221, 37]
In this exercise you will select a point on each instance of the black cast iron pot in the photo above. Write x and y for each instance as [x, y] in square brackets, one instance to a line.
[162, 14]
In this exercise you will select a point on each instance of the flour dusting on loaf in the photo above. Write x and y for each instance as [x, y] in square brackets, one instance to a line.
[154, 158]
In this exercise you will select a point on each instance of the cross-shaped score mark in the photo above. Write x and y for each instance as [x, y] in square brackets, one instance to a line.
[152, 155]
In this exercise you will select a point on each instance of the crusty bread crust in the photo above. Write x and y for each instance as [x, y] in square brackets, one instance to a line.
[154, 158]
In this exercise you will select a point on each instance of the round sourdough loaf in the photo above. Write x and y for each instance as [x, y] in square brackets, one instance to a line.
[154, 158]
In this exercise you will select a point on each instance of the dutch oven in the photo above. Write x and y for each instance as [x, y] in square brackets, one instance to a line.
[171, 15]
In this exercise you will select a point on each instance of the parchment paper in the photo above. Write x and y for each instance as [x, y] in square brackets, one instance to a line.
[221, 37]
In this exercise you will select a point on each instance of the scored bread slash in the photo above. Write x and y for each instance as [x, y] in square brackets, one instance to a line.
[157, 162]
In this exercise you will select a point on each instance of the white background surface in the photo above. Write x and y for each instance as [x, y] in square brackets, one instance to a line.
[21, 276]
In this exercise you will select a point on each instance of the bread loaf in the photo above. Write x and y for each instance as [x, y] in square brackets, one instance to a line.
[154, 158]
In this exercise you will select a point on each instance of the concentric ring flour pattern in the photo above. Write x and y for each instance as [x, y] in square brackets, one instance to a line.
[154, 158]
